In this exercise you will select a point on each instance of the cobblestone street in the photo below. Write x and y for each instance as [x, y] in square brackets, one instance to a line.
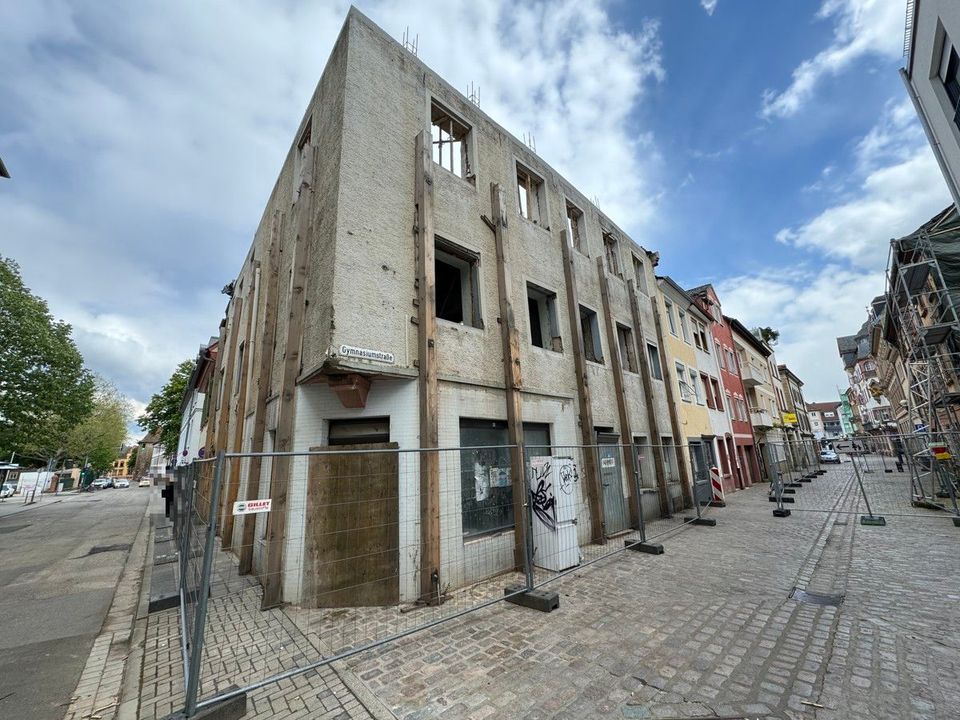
[707, 630]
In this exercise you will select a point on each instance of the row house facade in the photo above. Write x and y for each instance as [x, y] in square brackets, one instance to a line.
[480, 302]
[734, 376]
[825, 423]
[694, 373]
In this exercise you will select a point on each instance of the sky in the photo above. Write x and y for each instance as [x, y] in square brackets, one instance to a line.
[768, 148]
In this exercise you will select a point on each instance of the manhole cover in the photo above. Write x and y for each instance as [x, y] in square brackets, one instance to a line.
[11, 528]
[107, 548]
[812, 598]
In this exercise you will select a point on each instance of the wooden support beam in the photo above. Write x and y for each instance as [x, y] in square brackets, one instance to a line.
[234, 404]
[430, 580]
[230, 334]
[655, 450]
[233, 490]
[676, 428]
[590, 462]
[626, 436]
[264, 350]
[512, 376]
[286, 411]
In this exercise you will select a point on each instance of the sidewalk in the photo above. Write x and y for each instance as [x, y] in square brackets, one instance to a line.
[708, 629]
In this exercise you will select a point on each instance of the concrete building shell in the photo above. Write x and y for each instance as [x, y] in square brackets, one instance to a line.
[326, 317]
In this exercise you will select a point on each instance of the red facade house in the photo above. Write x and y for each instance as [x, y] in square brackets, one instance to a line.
[742, 445]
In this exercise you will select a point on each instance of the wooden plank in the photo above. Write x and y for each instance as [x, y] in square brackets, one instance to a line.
[427, 361]
[512, 376]
[352, 551]
[675, 426]
[286, 411]
[652, 423]
[231, 333]
[234, 464]
[626, 436]
[590, 461]
[264, 363]
[231, 414]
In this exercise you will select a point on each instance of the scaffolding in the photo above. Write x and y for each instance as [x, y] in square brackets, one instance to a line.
[923, 291]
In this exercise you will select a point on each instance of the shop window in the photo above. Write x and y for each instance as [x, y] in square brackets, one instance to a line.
[486, 482]
[457, 281]
[590, 329]
[542, 308]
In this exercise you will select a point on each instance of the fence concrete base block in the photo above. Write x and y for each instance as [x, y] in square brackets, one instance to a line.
[781, 512]
[644, 547]
[956, 521]
[542, 600]
[943, 494]
[889, 471]
[789, 491]
[796, 484]
[232, 709]
[873, 520]
[821, 472]
[717, 503]
[706, 522]
[805, 480]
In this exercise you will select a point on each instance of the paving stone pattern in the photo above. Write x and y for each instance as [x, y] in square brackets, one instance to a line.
[706, 630]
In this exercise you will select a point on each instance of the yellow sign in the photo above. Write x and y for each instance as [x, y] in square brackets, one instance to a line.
[790, 418]
[940, 452]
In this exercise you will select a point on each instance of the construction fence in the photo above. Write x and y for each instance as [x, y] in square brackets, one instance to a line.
[910, 477]
[291, 561]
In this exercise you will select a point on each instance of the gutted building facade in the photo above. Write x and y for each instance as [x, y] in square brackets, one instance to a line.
[421, 279]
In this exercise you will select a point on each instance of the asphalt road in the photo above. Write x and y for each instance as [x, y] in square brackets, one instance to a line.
[60, 561]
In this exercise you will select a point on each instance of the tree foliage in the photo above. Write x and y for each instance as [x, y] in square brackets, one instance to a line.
[44, 389]
[99, 436]
[767, 334]
[163, 414]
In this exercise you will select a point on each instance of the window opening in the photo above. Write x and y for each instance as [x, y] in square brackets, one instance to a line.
[591, 335]
[575, 226]
[529, 194]
[628, 357]
[456, 275]
[656, 371]
[611, 249]
[544, 329]
[450, 141]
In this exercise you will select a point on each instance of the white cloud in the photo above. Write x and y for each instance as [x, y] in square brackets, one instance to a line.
[895, 187]
[863, 27]
[709, 6]
[810, 309]
[144, 140]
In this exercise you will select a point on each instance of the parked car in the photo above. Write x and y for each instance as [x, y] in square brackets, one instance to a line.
[144, 482]
[102, 483]
[121, 483]
[829, 456]
[7, 490]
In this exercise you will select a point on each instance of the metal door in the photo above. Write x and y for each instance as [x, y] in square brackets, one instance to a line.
[701, 472]
[611, 479]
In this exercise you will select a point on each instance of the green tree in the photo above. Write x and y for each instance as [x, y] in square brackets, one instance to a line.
[44, 389]
[767, 334]
[163, 414]
[101, 434]
[132, 462]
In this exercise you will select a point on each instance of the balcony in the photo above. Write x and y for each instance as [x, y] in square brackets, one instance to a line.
[751, 376]
[761, 419]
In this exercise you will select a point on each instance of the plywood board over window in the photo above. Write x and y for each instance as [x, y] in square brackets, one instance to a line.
[352, 552]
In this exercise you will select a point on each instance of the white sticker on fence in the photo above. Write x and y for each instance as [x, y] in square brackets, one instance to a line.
[608, 462]
[247, 507]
